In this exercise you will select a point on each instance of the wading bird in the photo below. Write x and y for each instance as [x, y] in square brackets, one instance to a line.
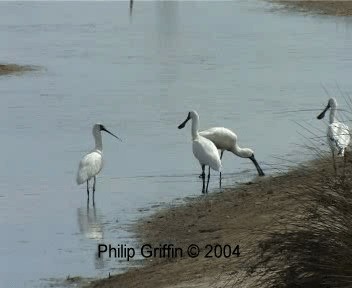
[203, 149]
[92, 163]
[338, 133]
[225, 139]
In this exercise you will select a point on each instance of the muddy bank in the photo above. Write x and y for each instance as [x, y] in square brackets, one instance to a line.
[292, 230]
[6, 69]
[329, 7]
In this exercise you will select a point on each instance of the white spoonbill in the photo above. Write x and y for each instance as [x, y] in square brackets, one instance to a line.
[203, 149]
[225, 139]
[338, 134]
[92, 163]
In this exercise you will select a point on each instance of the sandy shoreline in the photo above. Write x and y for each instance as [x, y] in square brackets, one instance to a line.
[329, 7]
[283, 225]
[6, 69]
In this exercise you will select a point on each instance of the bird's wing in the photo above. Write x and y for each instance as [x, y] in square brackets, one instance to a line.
[90, 165]
[223, 138]
[339, 134]
[206, 153]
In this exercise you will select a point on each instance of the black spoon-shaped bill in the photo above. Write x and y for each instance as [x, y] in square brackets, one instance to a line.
[106, 130]
[259, 169]
[183, 124]
[322, 114]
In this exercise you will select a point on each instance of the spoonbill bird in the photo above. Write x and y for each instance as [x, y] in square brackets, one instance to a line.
[338, 134]
[225, 139]
[92, 163]
[203, 149]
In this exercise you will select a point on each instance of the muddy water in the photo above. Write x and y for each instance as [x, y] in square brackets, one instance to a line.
[239, 65]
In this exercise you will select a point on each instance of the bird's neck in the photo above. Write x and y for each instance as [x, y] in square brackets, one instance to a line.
[332, 115]
[195, 127]
[242, 152]
[98, 141]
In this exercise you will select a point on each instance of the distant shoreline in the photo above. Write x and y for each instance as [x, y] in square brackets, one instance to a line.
[329, 7]
[6, 69]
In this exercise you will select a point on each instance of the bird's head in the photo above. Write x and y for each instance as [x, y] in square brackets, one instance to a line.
[100, 127]
[191, 115]
[331, 104]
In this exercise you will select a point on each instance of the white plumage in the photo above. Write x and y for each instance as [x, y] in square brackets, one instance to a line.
[89, 166]
[92, 163]
[203, 149]
[225, 139]
[339, 137]
[338, 134]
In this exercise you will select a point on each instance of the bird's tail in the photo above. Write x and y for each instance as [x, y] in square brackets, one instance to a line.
[80, 178]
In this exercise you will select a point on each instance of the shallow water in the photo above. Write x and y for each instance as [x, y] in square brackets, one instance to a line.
[238, 64]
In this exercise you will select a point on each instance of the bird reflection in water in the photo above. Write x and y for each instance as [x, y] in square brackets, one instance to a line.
[90, 224]
[131, 7]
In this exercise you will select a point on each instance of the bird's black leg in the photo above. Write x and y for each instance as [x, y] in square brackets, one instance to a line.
[95, 180]
[203, 177]
[344, 164]
[208, 180]
[222, 153]
[88, 191]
